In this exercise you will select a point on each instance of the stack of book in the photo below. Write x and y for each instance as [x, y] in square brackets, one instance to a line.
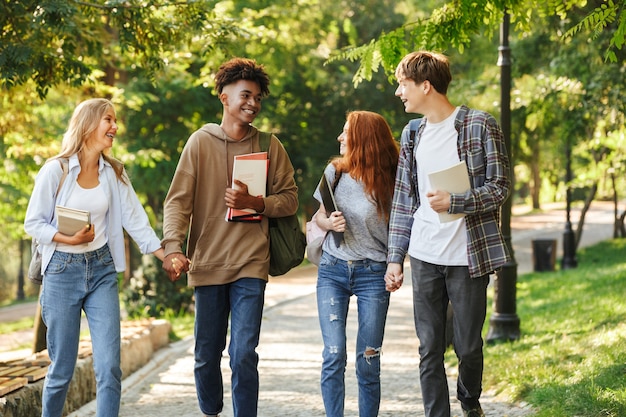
[251, 169]
[71, 220]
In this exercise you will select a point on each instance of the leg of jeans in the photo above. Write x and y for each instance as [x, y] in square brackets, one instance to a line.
[372, 303]
[333, 300]
[211, 327]
[102, 308]
[430, 302]
[468, 297]
[61, 302]
[247, 296]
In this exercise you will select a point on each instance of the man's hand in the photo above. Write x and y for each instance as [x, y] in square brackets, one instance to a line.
[240, 199]
[439, 200]
[393, 277]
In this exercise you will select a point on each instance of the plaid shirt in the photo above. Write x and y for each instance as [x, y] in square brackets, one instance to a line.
[481, 144]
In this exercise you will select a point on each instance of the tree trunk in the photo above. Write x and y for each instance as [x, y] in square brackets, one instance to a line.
[620, 224]
[535, 190]
[583, 212]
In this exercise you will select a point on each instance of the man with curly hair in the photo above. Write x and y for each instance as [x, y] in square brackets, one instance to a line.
[227, 263]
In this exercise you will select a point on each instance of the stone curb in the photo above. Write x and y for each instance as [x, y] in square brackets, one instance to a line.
[140, 340]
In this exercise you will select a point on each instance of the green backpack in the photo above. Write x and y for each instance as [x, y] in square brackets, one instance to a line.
[287, 241]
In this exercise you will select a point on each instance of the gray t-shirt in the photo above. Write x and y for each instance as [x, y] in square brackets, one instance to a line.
[366, 232]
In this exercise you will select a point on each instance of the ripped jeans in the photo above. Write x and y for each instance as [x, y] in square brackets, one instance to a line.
[337, 281]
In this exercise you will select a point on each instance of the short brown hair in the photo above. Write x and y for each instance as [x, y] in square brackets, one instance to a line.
[420, 66]
[242, 69]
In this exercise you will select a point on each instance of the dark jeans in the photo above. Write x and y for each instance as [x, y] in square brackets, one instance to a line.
[433, 287]
[242, 300]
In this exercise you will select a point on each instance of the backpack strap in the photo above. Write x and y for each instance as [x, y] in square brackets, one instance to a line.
[264, 141]
[64, 166]
[414, 125]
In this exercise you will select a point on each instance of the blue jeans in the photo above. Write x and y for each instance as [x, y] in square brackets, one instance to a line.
[433, 287]
[243, 301]
[337, 281]
[74, 283]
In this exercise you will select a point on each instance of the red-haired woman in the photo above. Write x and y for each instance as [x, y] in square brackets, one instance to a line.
[354, 258]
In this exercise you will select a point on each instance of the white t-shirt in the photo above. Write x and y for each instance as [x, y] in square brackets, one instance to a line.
[432, 241]
[93, 200]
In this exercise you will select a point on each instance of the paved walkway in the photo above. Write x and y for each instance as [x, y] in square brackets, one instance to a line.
[290, 362]
[290, 347]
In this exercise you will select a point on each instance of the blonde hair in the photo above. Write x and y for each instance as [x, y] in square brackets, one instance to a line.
[83, 124]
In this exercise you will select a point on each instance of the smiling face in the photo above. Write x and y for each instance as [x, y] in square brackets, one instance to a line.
[411, 94]
[242, 102]
[103, 135]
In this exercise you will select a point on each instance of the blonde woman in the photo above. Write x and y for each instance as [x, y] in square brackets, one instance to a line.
[80, 271]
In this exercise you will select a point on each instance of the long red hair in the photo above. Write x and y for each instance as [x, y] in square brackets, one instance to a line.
[371, 157]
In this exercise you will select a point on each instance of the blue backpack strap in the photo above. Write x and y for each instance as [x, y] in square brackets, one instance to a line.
[414, 125]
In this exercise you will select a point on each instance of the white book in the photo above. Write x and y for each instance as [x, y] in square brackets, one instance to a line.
[454, 180]
[70, 220]
[251, 169]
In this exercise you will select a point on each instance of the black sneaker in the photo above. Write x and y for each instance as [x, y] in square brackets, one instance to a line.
[474, 412]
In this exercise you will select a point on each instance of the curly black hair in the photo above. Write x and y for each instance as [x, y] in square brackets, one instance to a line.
[242, 69]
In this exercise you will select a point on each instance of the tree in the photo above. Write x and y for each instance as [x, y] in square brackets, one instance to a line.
[55, 42]
[454, 24]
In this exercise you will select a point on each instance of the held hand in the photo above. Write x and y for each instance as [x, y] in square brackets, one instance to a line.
[439, 200]
[85, 235]
[337, 222]
[175, 264]
[393, 277]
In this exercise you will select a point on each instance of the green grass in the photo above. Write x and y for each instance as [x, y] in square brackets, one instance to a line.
[14, 326]
[11, 302]
[571, 357]
[182, 326]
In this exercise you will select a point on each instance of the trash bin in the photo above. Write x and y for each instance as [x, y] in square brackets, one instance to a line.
[544, 254]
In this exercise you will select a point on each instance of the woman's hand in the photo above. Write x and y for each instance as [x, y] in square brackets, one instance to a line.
[174, 264]
[393, 277]
[85, 235]
[336, 222]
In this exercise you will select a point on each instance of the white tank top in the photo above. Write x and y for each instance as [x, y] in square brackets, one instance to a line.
[93, 200]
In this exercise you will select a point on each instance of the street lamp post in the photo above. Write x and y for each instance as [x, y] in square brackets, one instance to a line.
[569, 244]
[504, 323]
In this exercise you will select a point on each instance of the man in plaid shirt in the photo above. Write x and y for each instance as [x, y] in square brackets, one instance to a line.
[450, 260]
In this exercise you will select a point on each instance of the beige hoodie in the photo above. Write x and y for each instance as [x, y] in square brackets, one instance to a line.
[221, 251]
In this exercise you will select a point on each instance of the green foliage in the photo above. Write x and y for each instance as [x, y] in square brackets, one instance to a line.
[570, 358]
[601, 19]
[63, 42]
[455, 24]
